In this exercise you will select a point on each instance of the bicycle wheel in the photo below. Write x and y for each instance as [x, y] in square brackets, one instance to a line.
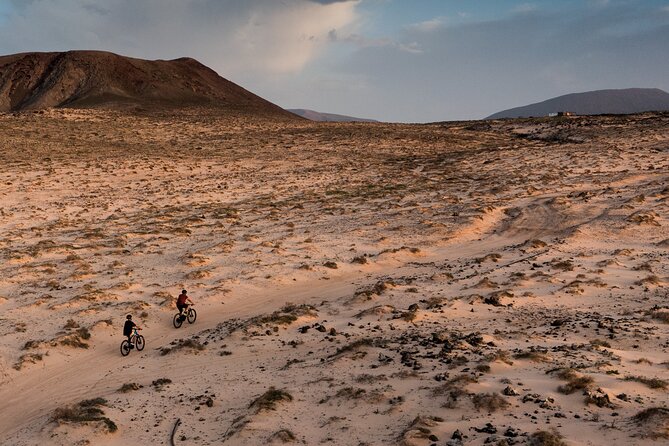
[177, 321]
[125, 347]
[192, 315]
[139, 343]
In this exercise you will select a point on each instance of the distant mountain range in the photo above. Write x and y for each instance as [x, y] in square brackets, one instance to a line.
[626, 101]
[326, 117]
[98, 79]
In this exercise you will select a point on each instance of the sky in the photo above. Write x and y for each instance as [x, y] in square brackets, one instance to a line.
[391, 60]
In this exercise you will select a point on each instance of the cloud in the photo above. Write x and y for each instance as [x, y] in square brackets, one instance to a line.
[525, 8]
[361, 41]
[233, 36]
[427, 25]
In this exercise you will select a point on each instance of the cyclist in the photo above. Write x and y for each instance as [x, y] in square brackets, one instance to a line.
[127, 328]
[182, 302]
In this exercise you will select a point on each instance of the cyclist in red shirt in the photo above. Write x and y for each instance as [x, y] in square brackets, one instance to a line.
[182, 302]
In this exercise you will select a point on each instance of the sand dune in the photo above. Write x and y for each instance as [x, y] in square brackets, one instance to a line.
[458, 283]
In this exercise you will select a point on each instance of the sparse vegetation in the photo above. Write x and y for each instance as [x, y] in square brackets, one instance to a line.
[269, 399]
[187, 344]
[129, 387]
[490, 402]
[546, 438]
[654, 421]
[653, 383]
[574, 381]
[87, 411]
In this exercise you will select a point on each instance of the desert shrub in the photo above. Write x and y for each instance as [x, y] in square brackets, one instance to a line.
[31, 344]
[369, 379]
[377, 289]
[269, 399]
[564, 265]
[649, 280]
[71, 323]
[84, 333]
[660, 316]
[356, 345]
[192, 344]
[350, 393]
[287, 314]
[654, 421]
[129, 387]
[574, 381]
[533, 355]
[31, 358]
[360, 260]
[160, 382]
[73, 341]
[500, 355]
[483, 368]
[653, 383]
[283, 435]
[546, 438]
[600, 343]
[491, 402]
[85, 412]
[456, 383]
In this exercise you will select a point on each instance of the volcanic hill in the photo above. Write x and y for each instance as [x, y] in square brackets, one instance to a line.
[98, 79]
[599, 102]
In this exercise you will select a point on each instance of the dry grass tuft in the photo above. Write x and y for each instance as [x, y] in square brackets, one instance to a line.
[655, 421]
[574, 381]
[287, 314]
[546, 438]
[283, 435]
[533, 355]
[28, 358]
[129, 387]
[85, 412]
[269, 399]
[490, 402]
[653, 383]
[500, 355]
[190, 344]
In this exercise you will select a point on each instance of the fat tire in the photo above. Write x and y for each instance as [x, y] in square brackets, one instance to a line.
[177, 321]
[125, 348]
[192, 315]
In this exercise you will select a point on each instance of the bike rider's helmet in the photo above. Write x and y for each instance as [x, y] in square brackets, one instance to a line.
[183, 291]
[129, 316]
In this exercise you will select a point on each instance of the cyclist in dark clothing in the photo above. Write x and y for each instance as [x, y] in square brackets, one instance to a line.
[127, 328]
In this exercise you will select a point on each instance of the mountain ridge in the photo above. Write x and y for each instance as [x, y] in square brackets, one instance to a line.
[100, 79]
[596, 102]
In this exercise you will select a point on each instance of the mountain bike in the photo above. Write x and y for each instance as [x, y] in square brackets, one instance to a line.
[189, 315]
[136, 341]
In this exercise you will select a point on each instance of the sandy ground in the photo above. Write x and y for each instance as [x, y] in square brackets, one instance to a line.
[463, 283]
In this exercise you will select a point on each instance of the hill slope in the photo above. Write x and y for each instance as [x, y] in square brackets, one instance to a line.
[97, 79]
[326, 117]
[626, 101]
